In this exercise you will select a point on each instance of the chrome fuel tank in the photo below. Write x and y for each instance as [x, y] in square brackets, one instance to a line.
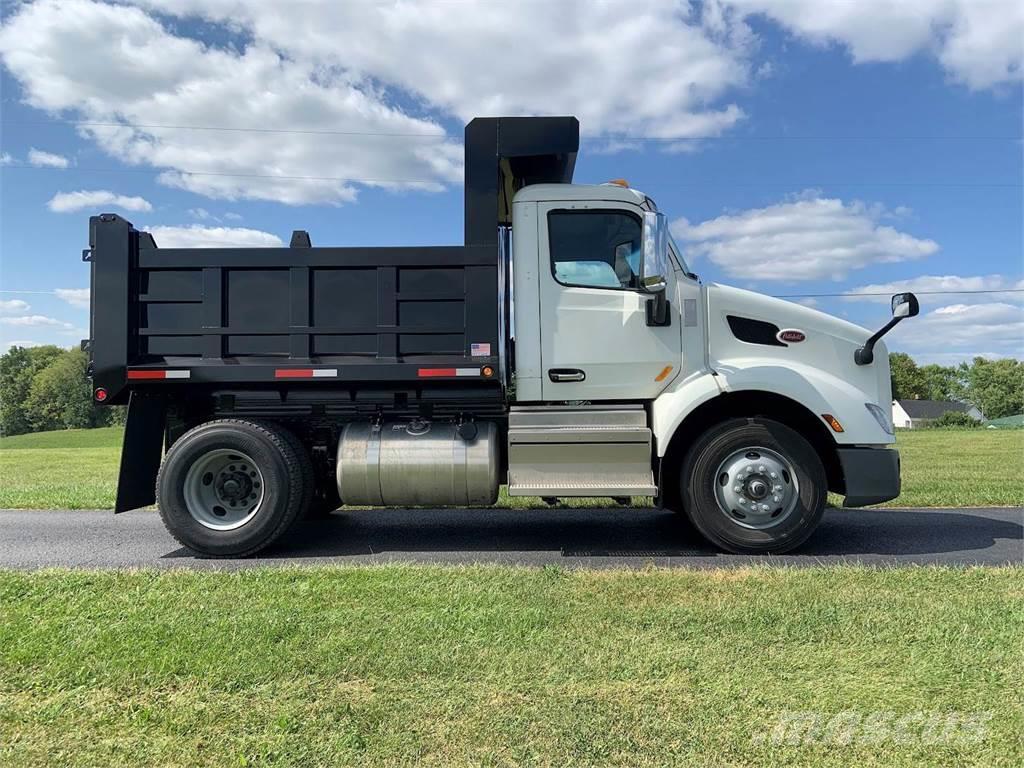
[418, 463]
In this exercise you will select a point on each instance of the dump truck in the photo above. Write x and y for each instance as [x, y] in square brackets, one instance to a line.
[565, 350]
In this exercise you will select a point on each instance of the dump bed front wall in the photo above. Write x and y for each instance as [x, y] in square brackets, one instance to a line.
[224, 315]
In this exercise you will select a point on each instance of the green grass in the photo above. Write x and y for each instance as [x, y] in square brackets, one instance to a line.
[941, 468]
[72, 469]
[961, 467]
[405, 665]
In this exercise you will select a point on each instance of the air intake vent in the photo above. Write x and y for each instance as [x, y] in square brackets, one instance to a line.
[754, 331]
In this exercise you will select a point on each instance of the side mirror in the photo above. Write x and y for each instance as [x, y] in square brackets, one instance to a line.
[654, 260]
[654, 267]
[903, 305]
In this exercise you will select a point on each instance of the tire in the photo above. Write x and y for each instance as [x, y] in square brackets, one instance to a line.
[231, 487]
[305, 468]
[751, 454]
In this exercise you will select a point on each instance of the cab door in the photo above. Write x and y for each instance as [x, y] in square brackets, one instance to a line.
[596, 343]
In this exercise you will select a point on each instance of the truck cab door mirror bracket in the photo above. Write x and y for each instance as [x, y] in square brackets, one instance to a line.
[658, 314]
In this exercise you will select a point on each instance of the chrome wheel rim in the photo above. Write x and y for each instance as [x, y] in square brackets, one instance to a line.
[756, 487]
[224, 489]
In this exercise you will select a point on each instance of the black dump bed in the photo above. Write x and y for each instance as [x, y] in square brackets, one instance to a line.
[244, 317]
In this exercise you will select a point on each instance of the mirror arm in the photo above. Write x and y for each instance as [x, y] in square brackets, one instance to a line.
[866, 354]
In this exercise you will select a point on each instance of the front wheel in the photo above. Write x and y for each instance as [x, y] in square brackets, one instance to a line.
[753, 486]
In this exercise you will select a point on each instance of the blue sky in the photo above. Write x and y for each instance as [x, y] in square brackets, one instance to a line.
[797, 152]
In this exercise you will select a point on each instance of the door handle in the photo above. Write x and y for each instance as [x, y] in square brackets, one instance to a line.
[566, 374]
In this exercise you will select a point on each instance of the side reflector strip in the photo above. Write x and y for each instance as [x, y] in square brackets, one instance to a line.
[154, 374]
[306, 373]
[431, 373]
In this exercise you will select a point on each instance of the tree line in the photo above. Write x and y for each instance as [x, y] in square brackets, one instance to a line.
[995, 387]
[46, 388]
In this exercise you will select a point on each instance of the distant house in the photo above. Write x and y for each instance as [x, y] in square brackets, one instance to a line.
[913, 414]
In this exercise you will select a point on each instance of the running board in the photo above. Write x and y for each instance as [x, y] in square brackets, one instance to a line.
[579, 451]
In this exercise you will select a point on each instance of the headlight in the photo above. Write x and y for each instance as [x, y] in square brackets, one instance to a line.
[881, 417]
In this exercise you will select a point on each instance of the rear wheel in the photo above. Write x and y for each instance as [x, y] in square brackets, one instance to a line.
[753, 486]
[231, 487]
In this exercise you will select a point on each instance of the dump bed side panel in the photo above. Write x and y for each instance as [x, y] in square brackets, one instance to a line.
[256, 315]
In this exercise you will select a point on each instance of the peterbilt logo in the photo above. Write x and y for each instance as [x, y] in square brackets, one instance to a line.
[792, 335]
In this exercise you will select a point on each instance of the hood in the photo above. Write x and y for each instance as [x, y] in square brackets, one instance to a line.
[744, 328]
[788, 312]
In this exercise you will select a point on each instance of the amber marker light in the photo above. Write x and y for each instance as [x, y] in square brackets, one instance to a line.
[664, 373]
[487, 371]
[832, 422]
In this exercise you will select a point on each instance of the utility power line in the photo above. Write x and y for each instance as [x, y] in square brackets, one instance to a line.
[778, 296]
[450, 137]
[693, 183]
[890, 293]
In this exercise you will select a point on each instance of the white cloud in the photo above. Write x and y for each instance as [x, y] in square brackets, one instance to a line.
[117, 64]
[954, 358]
[109, 63]
[807, 238]
[35, 321]
[13, 306]
[202, 214]
[560, 58]
[196, 236]
[76, 297]
[660, 69]
[23, 343]
[978, 42]
[64, 202]
[41, 159]
[932, 284]
[995, 327]
[6, 158]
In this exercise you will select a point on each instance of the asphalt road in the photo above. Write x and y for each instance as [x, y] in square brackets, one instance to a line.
[591, 538]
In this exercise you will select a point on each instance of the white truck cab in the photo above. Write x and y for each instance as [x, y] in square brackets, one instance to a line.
[745, 386]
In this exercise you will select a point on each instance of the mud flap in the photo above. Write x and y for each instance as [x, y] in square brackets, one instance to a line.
[141, 452]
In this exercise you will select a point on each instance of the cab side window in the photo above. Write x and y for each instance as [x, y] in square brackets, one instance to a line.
[595, 249]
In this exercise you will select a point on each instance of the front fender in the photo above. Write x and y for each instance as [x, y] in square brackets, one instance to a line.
[671, 407]
[817, 390]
